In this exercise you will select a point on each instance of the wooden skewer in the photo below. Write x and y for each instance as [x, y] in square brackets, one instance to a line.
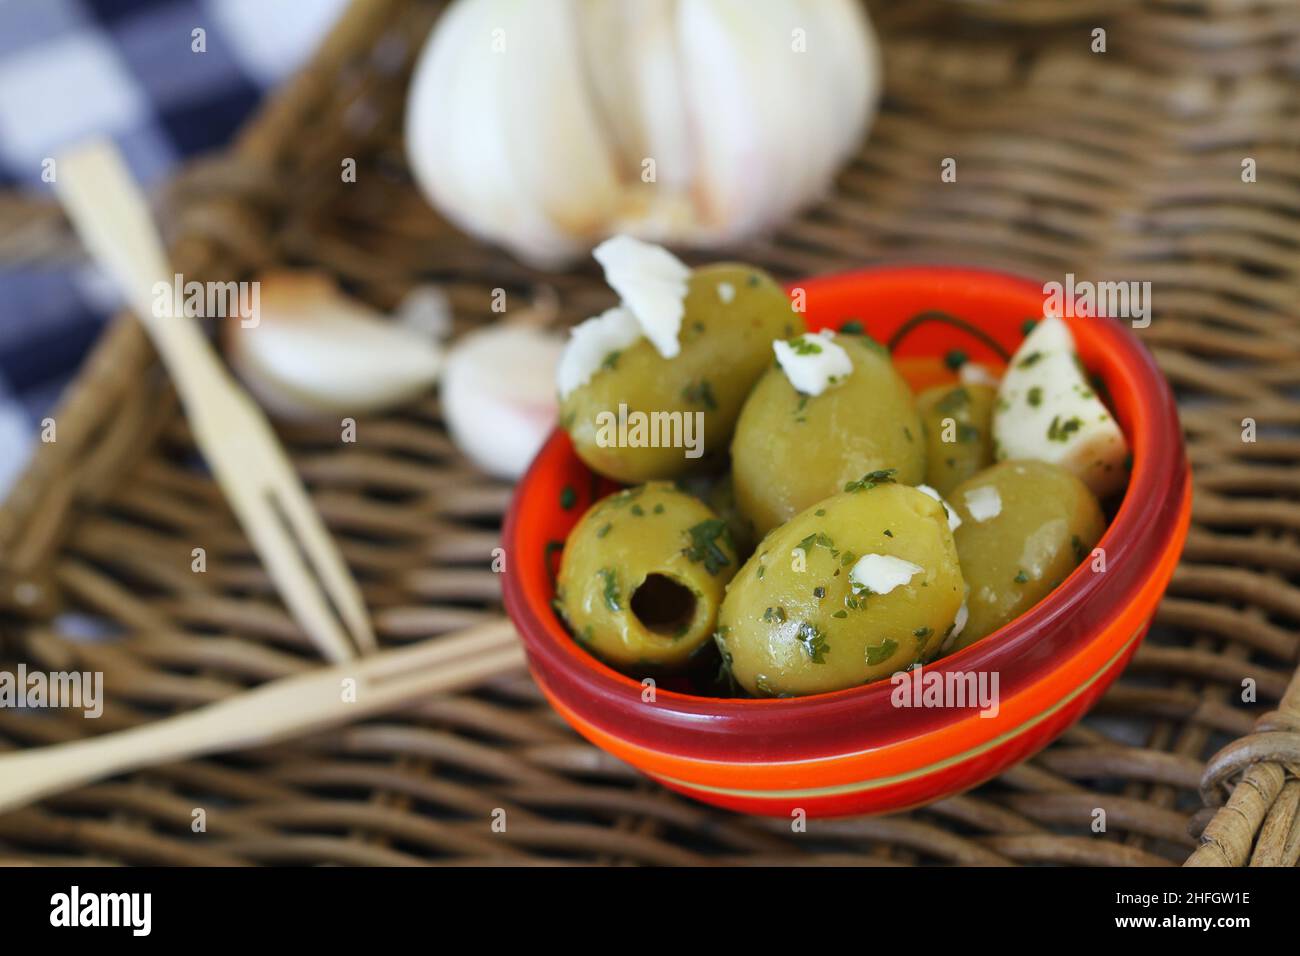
[273, 712]
[246, 458]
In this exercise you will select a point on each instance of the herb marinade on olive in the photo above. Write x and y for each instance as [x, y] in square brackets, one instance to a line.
[792, 450]
[1025, 526]
[642, 577]
[794, 623]
[958, 432]
[732, 315]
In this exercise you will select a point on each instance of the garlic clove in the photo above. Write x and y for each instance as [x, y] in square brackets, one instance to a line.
[591, 343]
[652, 284]
[501, 132]
[813, 362]
[498, 395]
[1047, 410]
[315, 352]
[751, 80]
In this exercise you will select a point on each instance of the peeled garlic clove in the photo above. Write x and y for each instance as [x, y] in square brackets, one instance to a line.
[652, 283]
[591, 343]
[498, 395]
[1048, 411]
[315, 352]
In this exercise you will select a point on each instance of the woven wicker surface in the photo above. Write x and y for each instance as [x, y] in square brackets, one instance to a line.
[1120, 165]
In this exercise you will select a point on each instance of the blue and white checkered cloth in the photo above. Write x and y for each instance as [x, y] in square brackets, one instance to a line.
[127, 69]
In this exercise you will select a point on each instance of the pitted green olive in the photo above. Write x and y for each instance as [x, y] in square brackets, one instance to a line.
[733, 312]
[642, 577]
[958, 432]
[792, 450]
[859, 586]
[1025, 526]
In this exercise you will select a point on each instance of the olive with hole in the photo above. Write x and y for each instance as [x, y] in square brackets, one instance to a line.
[642, 577]
[733, 313]
[1025, 526]
[958, 422]
[861, 585]
[791, 449]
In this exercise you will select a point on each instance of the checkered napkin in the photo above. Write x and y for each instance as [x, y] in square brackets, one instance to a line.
[127, 69]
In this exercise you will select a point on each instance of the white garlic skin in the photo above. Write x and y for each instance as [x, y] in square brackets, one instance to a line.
[534, 125]
[498, 395]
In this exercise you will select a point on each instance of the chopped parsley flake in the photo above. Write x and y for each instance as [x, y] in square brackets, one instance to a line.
[1021, 577]
[879, 653]
[704, 547]
[871, 479]
[955, 359]
[1061, 431]
[817, 538]
[1029, 360]
[612, 599]
[603, 530]
[853, 327]
[1035, 396]
[802, 346]
[700, 393]
[568, 497]
[813, 641]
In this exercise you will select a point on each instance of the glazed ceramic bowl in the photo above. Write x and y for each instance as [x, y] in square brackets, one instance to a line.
[860, 750]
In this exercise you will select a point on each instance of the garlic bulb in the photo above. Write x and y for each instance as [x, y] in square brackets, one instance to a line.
[316, 352]
[498, 395]
[548, 126]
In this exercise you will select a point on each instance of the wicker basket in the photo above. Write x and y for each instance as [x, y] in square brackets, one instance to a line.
[1115, 165]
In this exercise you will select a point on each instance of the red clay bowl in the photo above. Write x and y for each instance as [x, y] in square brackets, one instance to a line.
[854, 751]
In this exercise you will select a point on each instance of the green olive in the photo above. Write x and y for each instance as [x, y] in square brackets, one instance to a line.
[642, 577]
[733, 313]
[793, 622]
[1025, 526]
[958, 432]
[792, 450]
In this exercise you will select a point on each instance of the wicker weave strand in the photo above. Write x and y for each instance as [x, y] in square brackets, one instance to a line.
[1126, 164]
